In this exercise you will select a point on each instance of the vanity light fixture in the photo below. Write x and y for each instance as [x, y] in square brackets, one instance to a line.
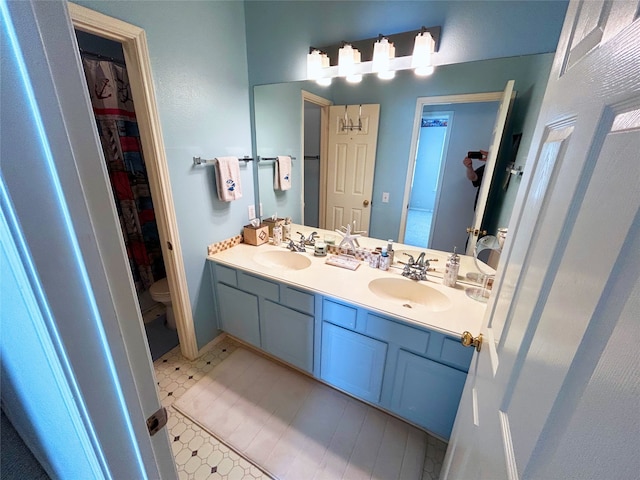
[383, 52]
[382, 55]
[316, 62]
[348, 58]
[421, 58]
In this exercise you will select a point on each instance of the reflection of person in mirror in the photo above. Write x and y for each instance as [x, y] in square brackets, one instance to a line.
[475, 176]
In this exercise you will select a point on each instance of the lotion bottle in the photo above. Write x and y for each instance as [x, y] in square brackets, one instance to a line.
[451, 269]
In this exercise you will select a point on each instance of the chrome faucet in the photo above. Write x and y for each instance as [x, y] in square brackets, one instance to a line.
[311, 241]
[297, 247]
[294, 247]
[416, 269]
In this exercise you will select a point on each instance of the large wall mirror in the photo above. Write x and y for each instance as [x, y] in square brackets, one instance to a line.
[289, 119]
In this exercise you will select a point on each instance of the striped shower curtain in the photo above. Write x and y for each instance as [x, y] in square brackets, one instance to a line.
[118, 129]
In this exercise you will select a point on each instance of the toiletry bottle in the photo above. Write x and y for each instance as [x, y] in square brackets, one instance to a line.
[287, 229]
[277, 235]
[451, 269]
[384, 259]
[390, 251]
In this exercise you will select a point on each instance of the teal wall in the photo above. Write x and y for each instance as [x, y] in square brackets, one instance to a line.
[199, 66]
[279, 34]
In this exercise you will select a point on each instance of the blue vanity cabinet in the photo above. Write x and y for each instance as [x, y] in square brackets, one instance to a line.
[427, 393]
[287, 334]
[239, 313]
[410, 370]
[266, 314]
[352, 362]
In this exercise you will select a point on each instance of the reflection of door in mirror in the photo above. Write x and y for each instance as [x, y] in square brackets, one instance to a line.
[351, 155]
[472, 127]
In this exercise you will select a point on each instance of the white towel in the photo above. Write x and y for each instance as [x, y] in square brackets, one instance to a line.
[282, 173]
[228, 178]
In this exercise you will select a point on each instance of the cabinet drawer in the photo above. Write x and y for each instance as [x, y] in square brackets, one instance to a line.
[225, 275]
[257, 286]
[392, 332]
[449, 350]
[339, 314]
[305, 302]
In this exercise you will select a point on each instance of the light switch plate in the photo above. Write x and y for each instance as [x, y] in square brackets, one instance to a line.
[385, 197]
[252, 212]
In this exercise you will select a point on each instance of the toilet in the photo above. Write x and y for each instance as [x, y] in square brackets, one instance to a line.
[160, 293]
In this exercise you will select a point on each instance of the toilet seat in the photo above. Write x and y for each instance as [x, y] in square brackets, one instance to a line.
[160, 291]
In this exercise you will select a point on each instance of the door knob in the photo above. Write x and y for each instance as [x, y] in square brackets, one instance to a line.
[365, 203]
[469, 340]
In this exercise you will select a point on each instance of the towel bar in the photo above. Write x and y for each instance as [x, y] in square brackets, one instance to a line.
[203, 161]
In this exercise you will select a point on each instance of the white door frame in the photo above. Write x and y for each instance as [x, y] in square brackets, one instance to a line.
[324, 105]
[420, 103]
[134, 44]
[74, 253]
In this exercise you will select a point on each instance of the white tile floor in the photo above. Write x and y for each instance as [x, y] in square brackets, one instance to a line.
[200, 456]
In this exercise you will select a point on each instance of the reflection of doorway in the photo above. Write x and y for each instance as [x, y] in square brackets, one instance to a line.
[315, 118]
[478, 121]
[431, 152]
[311, 151]
[116, 118]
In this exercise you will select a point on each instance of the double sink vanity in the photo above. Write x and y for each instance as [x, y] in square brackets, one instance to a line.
[388, 340]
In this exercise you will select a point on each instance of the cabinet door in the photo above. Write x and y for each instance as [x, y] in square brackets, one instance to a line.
[426, 392]
[352, 362]
[287, 334]
[239, 314]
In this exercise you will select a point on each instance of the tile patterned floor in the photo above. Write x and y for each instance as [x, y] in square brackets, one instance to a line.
[199, 456]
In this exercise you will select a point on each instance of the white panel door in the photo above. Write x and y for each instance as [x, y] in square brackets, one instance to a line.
[350, 165]
[487, 177]
[554, 391]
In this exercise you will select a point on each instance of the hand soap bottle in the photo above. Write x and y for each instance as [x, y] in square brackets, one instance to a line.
[277, 235]
[451, 269]
[384, 259]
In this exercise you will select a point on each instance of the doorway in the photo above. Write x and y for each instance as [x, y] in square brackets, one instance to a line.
[116, 120]
[431, 151]
[315, 130]
[311, 151]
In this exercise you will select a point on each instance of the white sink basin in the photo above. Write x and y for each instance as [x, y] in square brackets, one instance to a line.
[282, 259]
[410, 293]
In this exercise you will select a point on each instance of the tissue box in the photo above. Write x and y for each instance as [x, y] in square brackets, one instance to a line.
[256, 235]
[272, 223]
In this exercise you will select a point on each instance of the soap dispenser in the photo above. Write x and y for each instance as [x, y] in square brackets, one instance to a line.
[451, 269]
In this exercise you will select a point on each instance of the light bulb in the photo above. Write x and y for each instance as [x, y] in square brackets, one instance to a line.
[348, 57]
[421, 58]
[383, 52]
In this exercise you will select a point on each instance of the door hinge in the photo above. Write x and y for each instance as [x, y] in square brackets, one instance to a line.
[157, 421]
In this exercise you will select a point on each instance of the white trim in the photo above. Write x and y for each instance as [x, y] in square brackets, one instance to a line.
[136, 54]
[324, 105]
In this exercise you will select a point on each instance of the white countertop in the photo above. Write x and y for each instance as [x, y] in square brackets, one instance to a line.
[352, 286]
